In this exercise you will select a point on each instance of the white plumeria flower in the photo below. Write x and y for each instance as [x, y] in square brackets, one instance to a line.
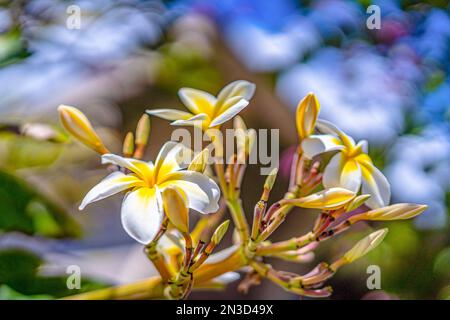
[207, 109]
[142, 212]
[350, 167]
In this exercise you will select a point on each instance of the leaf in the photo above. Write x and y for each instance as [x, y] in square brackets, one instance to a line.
[6, 293]
[19, 151]
[19, 272]
[26, 210]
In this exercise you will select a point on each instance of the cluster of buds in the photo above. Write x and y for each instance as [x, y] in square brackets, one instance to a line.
[343, 191]
[339, 207]
[179, 275]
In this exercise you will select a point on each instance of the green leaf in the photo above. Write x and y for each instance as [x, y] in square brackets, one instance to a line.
[26, 210]
[19, 151]
[19, 272]
[6, 293]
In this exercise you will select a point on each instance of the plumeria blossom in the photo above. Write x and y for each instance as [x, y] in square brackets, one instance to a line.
[350, 168]
[207, 109]
[142, 210]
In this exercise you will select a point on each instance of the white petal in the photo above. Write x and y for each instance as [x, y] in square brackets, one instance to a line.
[227, 104]
[142, 214]
[375, 184]
[197, 101]
[202, 193]
[143, 169]
[364, 145]
[329, 128]
[240, 88]
[317, 144]
[351, 176]
[112, 184]
[343, 173]
[196, 120]
[173, 156]
[221, 255]
[169, 114]
[227, 277]
[229, 113]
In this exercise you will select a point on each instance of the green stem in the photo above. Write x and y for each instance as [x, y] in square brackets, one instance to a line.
[238, 215]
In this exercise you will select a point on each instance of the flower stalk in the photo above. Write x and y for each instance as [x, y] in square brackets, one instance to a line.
[159, 195]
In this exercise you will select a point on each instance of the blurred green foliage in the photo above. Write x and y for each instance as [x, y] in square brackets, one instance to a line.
[26, 210]
[20, 279]
[186, 69]
[12, 48]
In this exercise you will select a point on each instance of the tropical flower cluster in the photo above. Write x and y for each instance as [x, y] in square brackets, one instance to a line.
[331, 174]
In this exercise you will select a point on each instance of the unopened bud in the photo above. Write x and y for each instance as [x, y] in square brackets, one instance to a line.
[176, 209]
[143, 130]
[78, 125]
[270, 180]
[328, 199]
[365, 245]
[220, 232]
[199, 162]
[128, 145]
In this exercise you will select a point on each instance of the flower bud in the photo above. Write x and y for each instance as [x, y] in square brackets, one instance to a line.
[128, 145]
[328, 199]
[365, 245]
[306, 116]
[270, 180]
[143, 130]
[238, 123]
[176, 209]
[399, 211]
[199, 162]
[76, 123]
[357, 202]
[220, 232]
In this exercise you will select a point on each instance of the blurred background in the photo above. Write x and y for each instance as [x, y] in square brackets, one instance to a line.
[114, 59]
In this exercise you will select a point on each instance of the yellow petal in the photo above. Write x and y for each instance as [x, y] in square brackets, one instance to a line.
[172, 157]
[197, 101]
[143, 170]
[78, 125]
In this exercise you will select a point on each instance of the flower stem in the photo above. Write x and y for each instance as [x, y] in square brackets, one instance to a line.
[153, 288]
[288, 245]
[238, 215]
